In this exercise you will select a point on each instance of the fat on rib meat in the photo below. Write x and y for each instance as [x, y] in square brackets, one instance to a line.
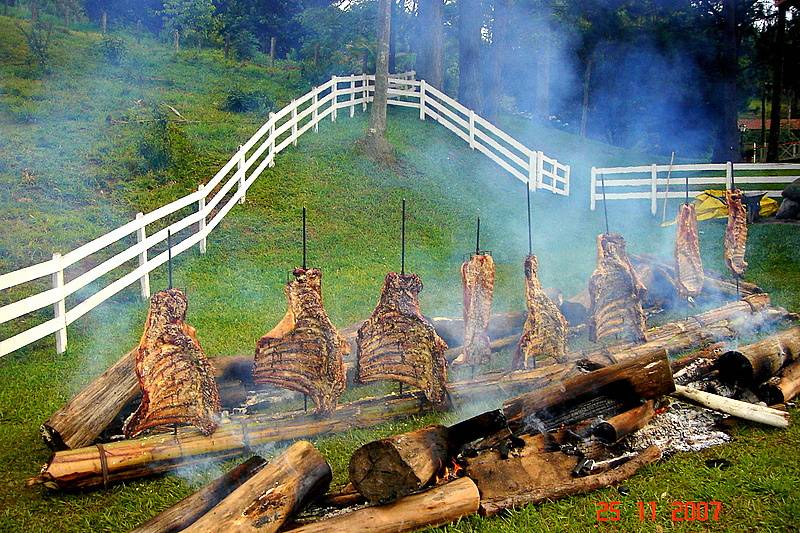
[397, 343]
[545, 330]
[175, 377]
[615, 293]
[304, 351]
[736, 233]
[477, 279]
[688, 263]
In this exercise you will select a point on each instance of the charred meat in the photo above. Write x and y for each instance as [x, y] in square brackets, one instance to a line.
[736, 233]
[688, 264]
[304, 351]
[477, 279]
[397, 343]
[616, 293]
[176, 379]
[545, 331]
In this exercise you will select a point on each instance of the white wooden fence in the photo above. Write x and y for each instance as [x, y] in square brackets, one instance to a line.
[92, 263]
[656, 182]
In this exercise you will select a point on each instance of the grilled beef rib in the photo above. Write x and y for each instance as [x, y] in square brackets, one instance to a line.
[304, 351]
[688, 263]
[477, 279]
[736, 233]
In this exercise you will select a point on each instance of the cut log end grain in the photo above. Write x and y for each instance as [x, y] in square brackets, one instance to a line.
[757, 362]
[783, 388]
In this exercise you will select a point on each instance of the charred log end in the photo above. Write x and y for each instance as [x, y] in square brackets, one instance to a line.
[52, 438]
[379, 473]
[735, 366]
[606, 432]
[770, 393]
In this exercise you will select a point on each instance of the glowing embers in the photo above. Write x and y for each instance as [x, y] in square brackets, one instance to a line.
[615, 293]
[397, 343]
[304, 351]
[477, 279]
[545, 330]
[174, 374]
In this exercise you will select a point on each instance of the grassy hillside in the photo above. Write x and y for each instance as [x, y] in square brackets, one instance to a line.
[86, 173]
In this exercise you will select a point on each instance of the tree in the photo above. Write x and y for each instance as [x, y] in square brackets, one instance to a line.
[183, 17]
[777, 86]
[377, 146]
[728, 149]
[470, 22]
[431, 43]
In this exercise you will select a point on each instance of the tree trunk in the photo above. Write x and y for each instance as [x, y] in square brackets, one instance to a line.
[758, 362]
[498, 52]
[783, 388]
[437, 506]
[272, 496]
[430, 53]
[470, 20]
[763, 145]
[377, 146]
[226, 49]
[273, 43]
[104, 22]
[188, 510]
[176, 40]
[739, 409]
[773, 145]
[728, 144]
[393, 39]
[587, 79]
[623, 424]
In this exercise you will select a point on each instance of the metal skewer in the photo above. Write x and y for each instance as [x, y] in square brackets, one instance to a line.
[605, 202]
[169, 257]
[478, 238]
[402, 260]
[530, 234]
[304, 237]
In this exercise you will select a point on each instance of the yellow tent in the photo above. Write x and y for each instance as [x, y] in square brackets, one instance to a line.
[710, 204]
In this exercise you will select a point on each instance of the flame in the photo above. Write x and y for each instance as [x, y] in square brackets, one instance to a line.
[449, 472]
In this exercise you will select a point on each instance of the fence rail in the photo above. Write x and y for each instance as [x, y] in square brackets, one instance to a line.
[657, 182]
[212, 201]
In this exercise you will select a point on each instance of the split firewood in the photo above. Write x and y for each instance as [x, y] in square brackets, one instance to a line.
[783, 388]
[735, 408]
[273, 495]
[437, 506]
[757, 362]
[188, 510]
[477, 279]
[623, 424]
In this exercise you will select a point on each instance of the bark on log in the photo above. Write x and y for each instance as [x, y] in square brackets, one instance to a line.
[272, 496]
[437, 506]
[624, 424]
[644, 377]
[188, 510]
[783, 388]
[757, 362]
[736, 408]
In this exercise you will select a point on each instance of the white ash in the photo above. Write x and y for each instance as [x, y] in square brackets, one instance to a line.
[681, 428]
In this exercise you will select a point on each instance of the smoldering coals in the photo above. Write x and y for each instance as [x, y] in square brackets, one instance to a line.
[682, 428]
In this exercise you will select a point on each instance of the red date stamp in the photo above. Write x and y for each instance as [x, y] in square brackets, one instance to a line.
[679, 511]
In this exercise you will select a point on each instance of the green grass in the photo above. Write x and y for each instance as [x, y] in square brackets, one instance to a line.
[89, 177]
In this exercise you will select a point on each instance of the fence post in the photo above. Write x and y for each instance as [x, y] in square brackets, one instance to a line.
[201, 208]
[294, 123]
[240, 171]
[334, 97]
[365, 86]
[352, 96]
[567, 172]
[653, 189]
[272, 144]
[60, 307]
[422, 99]
[593, 189]
[540, 168]
[314, 101]
[472, 129]
[533, 171]
[144, 281]
[728, 175]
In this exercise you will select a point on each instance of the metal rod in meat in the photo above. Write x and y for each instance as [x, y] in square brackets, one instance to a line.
[397, 343]
[175, 377]
[545, 330]
[736, 233]
[616, 293]
[304, 351]
[688, 263]
[477, 278]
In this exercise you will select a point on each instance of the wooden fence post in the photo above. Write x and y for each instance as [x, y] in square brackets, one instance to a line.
[567, 172]
[201, 208]
[334, 97]
[728, 175]
[365, 86]
[294, 123]
[241, 172]
[533, 171]
[593, 189]
[654, 189]
[540, 168]
[60, 307]
[144, 281]
[314, 102]
[422, 100]
[472, 129]
[352, 96]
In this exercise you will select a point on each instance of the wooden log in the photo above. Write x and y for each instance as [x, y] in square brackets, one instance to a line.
[783, 388]
[272, 496]
[188, 510]
[736, 408]
[757, 362]
[437, 506]
[500, 325]
[713, 281]
[644, 377]
[623, 424]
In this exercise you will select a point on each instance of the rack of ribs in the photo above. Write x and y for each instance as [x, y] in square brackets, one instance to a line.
[615, 293]
[688, 263]
[545, 330]
[175, 377]
[397, 343]
[477, 279]
[736, 233]
[304, 351]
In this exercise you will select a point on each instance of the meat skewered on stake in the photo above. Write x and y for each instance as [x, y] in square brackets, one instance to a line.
[736, 233]
[688, 263]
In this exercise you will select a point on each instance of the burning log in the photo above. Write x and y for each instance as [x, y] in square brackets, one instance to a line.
[736, 408]
[387, 469]
[644, 377]
[271, 497]
[188, 510]
[623, 424]
[781, 389]
[437, 506]
[757, 362]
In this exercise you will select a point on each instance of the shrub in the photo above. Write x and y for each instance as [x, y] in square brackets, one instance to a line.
[112, 49]
[239, 100]
[245, 45]
[38, 38]
[164, 146]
